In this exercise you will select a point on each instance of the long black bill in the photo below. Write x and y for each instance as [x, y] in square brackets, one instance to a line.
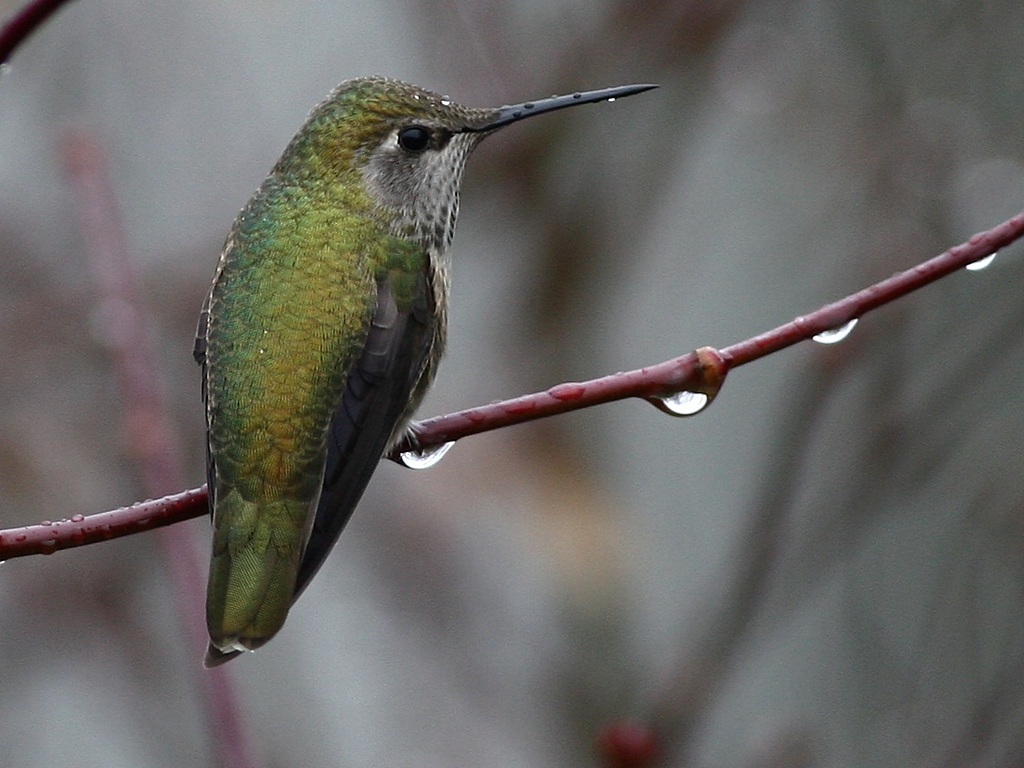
[514, 112]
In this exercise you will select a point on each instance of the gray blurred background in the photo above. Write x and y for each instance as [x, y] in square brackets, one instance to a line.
[823, 569]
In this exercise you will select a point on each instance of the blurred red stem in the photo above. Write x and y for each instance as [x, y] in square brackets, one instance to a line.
[152, 442]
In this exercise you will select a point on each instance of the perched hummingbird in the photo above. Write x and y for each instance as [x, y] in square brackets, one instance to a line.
[323, 330]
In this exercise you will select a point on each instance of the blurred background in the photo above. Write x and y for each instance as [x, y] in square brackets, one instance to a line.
[822, 569]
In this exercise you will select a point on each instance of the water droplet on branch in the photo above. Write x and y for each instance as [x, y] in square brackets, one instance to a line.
[426, 457]
[684, 403]
[980, 264]
[835, 335]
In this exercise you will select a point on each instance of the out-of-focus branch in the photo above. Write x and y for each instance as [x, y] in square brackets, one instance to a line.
[23, 23]
[628, 745]
[152, 441]
[702, 371]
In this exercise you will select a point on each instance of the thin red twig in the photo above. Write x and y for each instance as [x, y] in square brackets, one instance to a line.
[703, 370]
[23, 23]
[686, 372]
[48, 537]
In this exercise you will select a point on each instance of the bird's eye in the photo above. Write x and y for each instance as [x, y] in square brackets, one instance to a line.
[414, 138]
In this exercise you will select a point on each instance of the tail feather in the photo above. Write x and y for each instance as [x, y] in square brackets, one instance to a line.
[257, 548]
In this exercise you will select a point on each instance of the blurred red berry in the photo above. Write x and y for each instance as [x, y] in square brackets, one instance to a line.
[628, 745]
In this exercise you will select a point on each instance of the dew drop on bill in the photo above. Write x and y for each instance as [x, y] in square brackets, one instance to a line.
[835, 335]
[684, 403]
[426, 457]
[980, 264]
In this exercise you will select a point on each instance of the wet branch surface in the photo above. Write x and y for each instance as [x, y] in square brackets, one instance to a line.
[702, 371]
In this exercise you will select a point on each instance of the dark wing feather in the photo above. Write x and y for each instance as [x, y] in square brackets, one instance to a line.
[199, 353]
[199, 349]
[375, 402]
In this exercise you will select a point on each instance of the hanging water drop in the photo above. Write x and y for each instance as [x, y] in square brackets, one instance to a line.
[425, 458]
[980, 264]
[684, 403]
[835, 335]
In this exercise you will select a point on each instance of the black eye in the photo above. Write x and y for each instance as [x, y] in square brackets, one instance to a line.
[414, 138]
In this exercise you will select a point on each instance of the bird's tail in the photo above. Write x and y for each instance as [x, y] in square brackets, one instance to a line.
[257, 548]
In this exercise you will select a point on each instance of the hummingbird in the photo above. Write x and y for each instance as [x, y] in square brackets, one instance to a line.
[323, 329]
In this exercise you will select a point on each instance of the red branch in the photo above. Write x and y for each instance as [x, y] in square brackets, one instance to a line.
[23, 23]
[46, 537]
[689, 372]
[701, 371]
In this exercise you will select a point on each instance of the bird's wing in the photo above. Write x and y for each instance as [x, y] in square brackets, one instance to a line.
[373, 408]
[371, 412]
